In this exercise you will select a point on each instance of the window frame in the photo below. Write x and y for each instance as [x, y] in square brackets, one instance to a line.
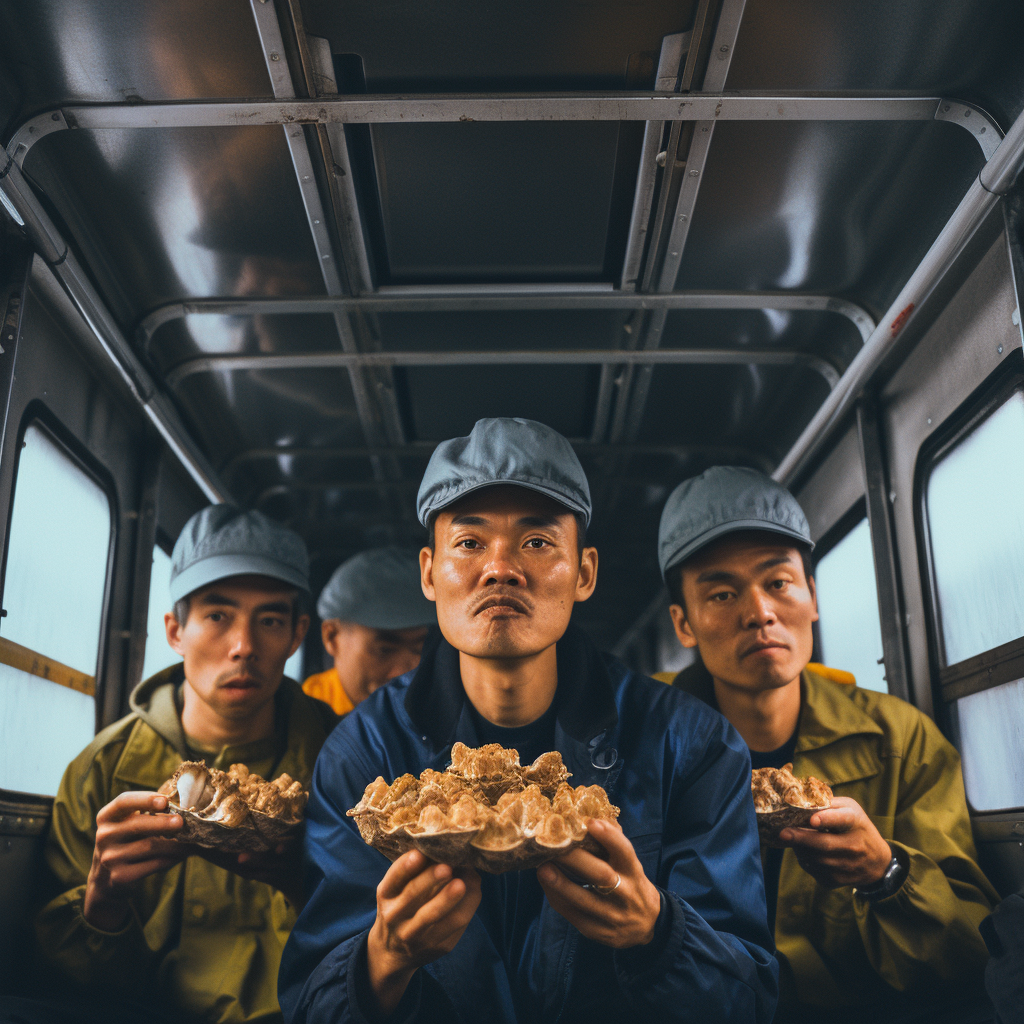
[997, 665]
[38, 414]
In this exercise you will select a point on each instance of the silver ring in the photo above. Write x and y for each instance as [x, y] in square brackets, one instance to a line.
[607, 890]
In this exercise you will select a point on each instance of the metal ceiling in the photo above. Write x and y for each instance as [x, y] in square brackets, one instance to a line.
[337, 233]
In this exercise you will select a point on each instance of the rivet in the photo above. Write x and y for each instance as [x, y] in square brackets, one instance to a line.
[946, 107]
[693, 174]
[982, 132]
[703, 129]
[892, 496]
[275, 56]
[326, 256]
[967, 113]
[1000, 350]
[682, 216]
[929, 421]
[725, 49]
[55, 117]
[661, 158]
[675, 254]
[305, 177]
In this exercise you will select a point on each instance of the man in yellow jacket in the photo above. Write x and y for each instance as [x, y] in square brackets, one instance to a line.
[137, 919]
[876, 906]
[374, 619]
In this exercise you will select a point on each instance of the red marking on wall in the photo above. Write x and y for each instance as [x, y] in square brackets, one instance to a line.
[900, 321]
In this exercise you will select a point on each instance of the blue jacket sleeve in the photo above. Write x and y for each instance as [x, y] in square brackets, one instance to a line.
[718, 962]
[322, 961]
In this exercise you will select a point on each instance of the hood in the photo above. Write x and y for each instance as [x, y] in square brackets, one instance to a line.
[154, 701]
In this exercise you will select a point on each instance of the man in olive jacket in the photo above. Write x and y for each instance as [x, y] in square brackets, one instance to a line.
[137, 918]
[881, 907]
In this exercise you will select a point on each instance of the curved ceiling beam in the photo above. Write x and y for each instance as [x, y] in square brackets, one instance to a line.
[610, 106]
[346, 360]
[430, 299]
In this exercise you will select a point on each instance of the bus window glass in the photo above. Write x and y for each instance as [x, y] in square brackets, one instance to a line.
[53, 593]
[293, 666]
[849, 627]
[158, 652]
[975, 507]
[992, 746]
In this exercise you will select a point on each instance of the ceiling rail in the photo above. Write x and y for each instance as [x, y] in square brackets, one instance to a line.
[264, 362]
[569, 106]
[505, 298]
[51, 246]
[994, 180]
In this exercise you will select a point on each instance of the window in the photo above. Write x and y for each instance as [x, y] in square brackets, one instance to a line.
[57, 558]
[293, 666]
[849, 627]
[975, 510]
[158, 652]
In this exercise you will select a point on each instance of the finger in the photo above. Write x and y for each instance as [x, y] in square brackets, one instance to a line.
[423, 888]
[588, 869]
[818, 842]
[437, 908]
[837, 818]
[128, 830]
[621, 854]
[401, 872]
[130, 803]
[562, 891]
[143, 849]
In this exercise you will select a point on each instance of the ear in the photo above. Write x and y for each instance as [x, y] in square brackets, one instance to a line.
[814, 596]
[301, 628]
[587, 578]
[427, 574]
[682, 625]
[174, 629]
[330, 630]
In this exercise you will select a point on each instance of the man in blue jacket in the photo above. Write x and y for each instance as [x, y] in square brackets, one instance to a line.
[669, 925]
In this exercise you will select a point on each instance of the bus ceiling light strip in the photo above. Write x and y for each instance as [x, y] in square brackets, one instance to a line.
[53, 249]
[995, 180]
[612, 106]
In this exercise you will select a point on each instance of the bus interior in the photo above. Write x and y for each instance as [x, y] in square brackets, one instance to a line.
[273, 251]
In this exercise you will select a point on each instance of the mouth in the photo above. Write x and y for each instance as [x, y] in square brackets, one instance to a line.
[764, 648]
[503, 603]
[241, 684]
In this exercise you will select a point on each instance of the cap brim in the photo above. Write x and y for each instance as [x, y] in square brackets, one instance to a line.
[550, 492]
[220, 567]
[723, 529]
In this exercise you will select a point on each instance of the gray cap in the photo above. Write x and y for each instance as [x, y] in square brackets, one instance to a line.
[722, 500]
[379, 589]
[504, 451]
[222, 540]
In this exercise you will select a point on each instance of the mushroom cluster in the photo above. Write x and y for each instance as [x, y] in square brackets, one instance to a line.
[782, 800]
[486, 811]
[236, 810]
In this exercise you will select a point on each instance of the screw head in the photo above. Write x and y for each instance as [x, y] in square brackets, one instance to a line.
[725, 49]
[275, 56]
[55, 116]
[693, 174]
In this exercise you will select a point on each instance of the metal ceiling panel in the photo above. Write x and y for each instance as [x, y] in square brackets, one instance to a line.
[126, 51]
[169, 213]
[846, 208]
[496, 202]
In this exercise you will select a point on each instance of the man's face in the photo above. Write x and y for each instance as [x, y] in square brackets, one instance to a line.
[367, 658]
[238, 635]
[749, 610]
[505, 572]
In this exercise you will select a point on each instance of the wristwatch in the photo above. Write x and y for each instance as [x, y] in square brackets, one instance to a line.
[888, 885]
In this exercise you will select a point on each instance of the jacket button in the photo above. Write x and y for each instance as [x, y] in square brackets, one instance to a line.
[604, 759]
[197, 911]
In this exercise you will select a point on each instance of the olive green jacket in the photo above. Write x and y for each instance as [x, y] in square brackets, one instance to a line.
[201, 939]
[837, 949]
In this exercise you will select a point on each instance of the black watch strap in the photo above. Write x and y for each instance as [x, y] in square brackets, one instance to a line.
[888, 885]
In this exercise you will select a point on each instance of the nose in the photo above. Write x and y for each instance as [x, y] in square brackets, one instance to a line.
[758, 609]
[242, 648]
[503, 567]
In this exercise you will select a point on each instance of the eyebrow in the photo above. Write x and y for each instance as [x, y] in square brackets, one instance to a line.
[209, 599]
[532, 520]
[721, 576]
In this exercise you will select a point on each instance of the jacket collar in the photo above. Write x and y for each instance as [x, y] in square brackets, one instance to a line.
[585, 697]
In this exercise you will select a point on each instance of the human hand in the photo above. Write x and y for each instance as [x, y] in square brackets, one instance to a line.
[280, 868]
[851, 852]
[627, 915]
[422, 910]
[130, 845]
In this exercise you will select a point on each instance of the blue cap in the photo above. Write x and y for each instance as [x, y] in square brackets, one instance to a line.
[723, 500]
[222, 540]
[504, 451]
[379, 589]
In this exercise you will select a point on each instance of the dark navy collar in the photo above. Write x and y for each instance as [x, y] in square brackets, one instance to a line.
[585, 698]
